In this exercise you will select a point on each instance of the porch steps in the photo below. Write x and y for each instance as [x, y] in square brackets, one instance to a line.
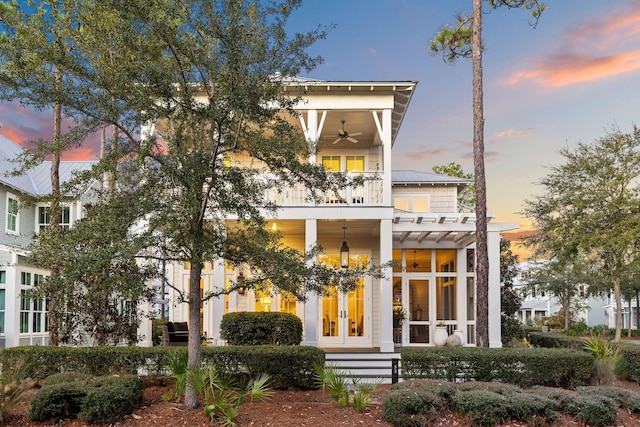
[368, 367]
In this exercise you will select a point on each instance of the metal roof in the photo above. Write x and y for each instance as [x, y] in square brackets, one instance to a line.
[415, 177]
[37, 180]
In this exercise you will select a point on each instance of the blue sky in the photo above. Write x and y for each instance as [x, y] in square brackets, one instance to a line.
[571, 79]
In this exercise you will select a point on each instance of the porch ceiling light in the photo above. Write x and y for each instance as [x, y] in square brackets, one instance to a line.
[344, 250]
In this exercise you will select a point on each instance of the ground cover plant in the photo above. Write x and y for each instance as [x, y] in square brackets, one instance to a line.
[418, 403]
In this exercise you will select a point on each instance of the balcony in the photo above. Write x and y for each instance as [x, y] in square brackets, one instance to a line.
[369, 194]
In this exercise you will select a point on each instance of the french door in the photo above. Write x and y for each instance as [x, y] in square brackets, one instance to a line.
[345, 317]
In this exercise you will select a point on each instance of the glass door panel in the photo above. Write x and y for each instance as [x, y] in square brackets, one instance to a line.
[419, 308]
[330, 313]
[355, 310]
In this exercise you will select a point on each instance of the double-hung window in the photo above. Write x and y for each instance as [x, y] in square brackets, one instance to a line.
[13, 210]
[44, 217]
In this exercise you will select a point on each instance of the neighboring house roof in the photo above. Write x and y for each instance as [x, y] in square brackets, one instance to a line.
[36, 181]
[411, 177]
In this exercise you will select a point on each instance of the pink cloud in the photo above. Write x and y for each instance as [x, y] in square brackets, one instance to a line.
[372, 51]
[598, 49]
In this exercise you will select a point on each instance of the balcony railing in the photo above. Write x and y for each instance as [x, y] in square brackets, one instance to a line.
[368, 194]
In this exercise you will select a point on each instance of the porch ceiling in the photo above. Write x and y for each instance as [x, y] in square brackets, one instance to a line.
[423, 229]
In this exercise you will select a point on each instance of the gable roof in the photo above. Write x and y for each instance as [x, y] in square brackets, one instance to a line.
[411, 177]
[37, 180]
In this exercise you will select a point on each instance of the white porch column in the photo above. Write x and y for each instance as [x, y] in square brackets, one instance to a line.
[310, 319]
[217, 303]
[12, 304]
[493, 246]
[386, 288]
[386, 160]
[461, 291]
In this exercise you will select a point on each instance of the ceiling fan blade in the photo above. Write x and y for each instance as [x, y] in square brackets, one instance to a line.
[355, 134]
[336, 141]
[352, 139]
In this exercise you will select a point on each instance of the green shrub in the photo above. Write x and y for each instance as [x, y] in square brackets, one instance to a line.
[411, 405]
[66, 377]
[483, 407]
[553, 340]
[624, 398]
[594, 410]
[287, 366]
[577, 329]
[95, 400]
[57, 401]
[631, 355]
[110, 399]
[261, 328]
[524, 367]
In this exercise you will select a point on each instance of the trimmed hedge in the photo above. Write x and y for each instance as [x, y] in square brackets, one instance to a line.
[288, 366]
[40, 362]
[261, 328]
[551, 340]
[95, 400]
[523, 367]
[631, 355]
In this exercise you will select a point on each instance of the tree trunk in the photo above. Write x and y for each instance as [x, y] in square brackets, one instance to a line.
[629, 325]
[618, 298]
[191, 398]
[567, 308]
[55, 304]
[637, 308]
[482, 265]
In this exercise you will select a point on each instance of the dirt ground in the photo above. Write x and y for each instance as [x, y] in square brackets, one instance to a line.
[287, 408]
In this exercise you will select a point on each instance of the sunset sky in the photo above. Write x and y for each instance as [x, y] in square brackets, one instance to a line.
[571, 79]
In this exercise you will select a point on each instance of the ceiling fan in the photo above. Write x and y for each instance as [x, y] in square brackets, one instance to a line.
[343, 134]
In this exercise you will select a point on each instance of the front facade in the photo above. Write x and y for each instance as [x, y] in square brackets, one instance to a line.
[405, 216]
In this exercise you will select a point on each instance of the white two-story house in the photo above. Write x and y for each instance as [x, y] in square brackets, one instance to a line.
[406, 216]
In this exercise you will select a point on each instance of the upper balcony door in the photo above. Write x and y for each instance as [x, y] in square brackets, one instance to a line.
[345, 318]
[352, 164]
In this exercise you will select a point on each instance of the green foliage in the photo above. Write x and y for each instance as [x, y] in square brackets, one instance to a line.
[108, 400]
[584, 209]
[12, 388]
[178, 361]
[552, 340]
[335, 382]
[98, 400]
[483, 407]
[222, 395]
[261, 328]
[523, 367]
[411, 405]
[288, 366]
[57, 401]
[609, 361]
[577, 329]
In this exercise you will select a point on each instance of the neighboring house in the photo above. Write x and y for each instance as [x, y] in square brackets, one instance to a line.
[23, 320]
[406, 216]
[538, 304]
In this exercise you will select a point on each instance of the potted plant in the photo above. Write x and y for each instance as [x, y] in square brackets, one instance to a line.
[399, 314]
[440, 334]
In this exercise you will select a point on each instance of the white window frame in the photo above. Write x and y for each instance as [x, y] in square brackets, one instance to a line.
[8, 214]
[43, 225]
